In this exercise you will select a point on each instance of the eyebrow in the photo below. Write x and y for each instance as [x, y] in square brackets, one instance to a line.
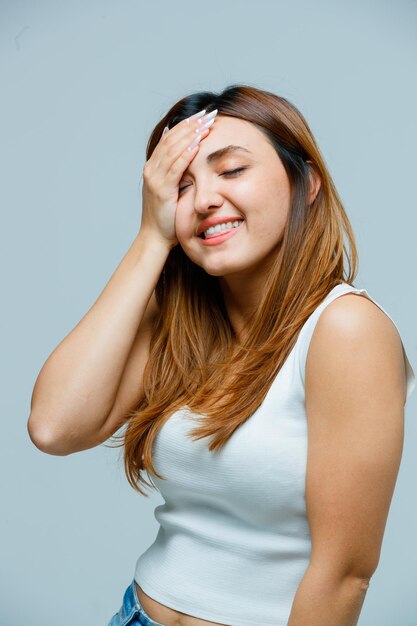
[215, 156]
[218, 154]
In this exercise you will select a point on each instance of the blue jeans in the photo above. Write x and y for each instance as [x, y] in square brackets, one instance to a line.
[131, 613]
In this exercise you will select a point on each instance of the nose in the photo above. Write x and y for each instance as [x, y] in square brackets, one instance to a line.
[206, 198]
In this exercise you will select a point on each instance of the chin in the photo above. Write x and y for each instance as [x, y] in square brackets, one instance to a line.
[217, 267]
[213, 272]
[223, 269]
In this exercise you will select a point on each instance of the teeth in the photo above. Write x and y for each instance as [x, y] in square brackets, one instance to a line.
[219, 227]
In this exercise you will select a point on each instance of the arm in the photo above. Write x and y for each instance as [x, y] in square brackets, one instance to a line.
[79, 396]
[77, 386]
[355, 395]
[322, 599]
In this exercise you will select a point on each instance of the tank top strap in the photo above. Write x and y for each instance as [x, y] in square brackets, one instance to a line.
[307, 330]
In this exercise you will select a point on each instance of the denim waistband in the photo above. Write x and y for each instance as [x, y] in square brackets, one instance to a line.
[131, 607]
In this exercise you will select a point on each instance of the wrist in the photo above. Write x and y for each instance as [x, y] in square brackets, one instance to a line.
[152, 240]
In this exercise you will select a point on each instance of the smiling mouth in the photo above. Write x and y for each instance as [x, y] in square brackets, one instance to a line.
[220, 232]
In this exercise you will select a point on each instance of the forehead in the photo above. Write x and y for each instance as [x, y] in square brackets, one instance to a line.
[228, 131]
[233, 127]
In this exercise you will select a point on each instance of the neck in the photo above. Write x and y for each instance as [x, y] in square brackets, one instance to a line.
[242, 294]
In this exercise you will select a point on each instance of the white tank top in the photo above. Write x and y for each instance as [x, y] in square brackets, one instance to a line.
[234, 541]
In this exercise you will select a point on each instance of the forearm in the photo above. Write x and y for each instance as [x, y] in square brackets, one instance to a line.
[77, 385]
[321, 600]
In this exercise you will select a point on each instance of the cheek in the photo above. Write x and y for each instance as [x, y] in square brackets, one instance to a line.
[270, 210]
[183, 222]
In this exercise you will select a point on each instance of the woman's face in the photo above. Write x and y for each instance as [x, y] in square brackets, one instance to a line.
[257, 196]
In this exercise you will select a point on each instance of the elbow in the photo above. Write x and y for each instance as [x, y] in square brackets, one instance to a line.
[357, 576]
[360, 582]
[363, 572]
[357, 585]
[43, 439]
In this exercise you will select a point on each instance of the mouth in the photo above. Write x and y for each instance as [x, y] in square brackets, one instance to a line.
[219, 237]
[220, 229]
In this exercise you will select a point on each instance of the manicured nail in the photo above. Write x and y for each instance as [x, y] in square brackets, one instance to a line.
[210, 115]
[196, 115]
[206, 125]
[166, 129]
[195, 142]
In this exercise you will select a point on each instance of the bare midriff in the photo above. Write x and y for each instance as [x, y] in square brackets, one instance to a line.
[166, 616]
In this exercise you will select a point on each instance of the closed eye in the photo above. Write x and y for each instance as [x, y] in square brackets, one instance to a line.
[228, 173]
[239, 169]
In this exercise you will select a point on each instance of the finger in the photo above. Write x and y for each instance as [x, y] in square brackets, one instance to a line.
[192, 122]
[180, 129]
[175, 145]
[196, 116]
[188, 152]
[170, 149]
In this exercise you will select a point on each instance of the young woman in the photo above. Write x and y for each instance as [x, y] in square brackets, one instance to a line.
[263, 393]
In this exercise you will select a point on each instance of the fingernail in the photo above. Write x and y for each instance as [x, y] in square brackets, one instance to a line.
[166, 129]
[210, 115]
[196, 115]
[195, 142]
[205, 125]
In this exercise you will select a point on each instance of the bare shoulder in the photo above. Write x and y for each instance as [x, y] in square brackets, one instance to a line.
[357, 315]
[354, 338]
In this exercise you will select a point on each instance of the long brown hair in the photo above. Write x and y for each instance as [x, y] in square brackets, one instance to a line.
[190, 361]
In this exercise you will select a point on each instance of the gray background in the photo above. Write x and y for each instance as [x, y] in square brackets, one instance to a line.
[83, 84]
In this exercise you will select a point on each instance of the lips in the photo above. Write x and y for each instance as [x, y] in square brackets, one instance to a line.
[213, 221]
[219, 238]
